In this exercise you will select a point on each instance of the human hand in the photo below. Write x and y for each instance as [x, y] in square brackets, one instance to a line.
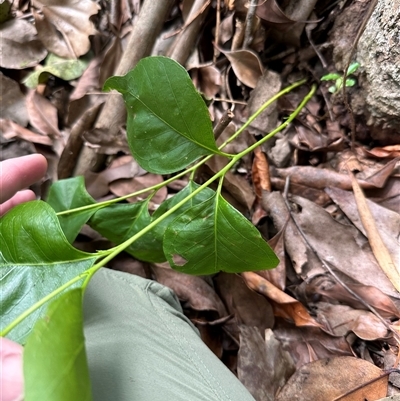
[15, 175]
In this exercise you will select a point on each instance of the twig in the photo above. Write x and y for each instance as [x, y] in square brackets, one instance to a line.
[185, 40]
[223, 123]
[248, 37]
[353, 49]
[217, 27]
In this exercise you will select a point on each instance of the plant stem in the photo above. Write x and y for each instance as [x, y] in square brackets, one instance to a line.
[220, 174]
[194, 167]
[119, 248]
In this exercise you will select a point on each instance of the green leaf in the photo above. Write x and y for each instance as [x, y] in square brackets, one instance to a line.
[350, 82]
[55, 362]
[35, 259]
[59, 67]
[70, 194]
[214, 236]
[120, 222]
[332, 89]
[330, 77]
[168, 123]
[353, 67]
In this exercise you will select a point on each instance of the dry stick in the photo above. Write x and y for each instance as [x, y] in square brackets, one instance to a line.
[248, 37]
[379, 249]
[223, 123]
[186, 39]
[145, 31]
[217, 28]
[327, 266]
[70, 153]
[353, 49]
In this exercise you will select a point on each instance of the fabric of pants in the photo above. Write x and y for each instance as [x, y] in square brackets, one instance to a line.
[141, 347]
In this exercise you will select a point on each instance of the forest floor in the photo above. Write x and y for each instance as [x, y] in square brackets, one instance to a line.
[328, 312]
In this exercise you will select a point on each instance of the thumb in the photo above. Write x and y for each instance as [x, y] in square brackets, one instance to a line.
[11, 376]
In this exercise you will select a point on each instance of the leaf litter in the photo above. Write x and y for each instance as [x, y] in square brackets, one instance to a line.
[328, 312]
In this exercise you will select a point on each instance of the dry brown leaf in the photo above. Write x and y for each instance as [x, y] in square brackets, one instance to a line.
[341, 319]
[378, 247]
[89, 81]
[42, 114]
[388, 196]
[387, 221]
[344, 378]
[226, 29]
[246, 65]
[331, 291]
[12, 130]
[391, 151]
[191, 290]
[260, 173]
[269, 11]
[20, 44]
[263, 366]
[284, 305]
[12, 106]
[247, 306]
[207, 79]
[267, 86]
[64, 26]
[342, 246]
[277, 276]
[306, 344]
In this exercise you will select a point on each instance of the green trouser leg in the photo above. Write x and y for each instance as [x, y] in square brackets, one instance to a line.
[141, 347]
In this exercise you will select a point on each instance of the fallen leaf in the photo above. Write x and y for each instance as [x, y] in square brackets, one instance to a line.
[12, 130]
[263, 366]
[207, 79]
[266, 87]
[344, 378]
[284, 305]
[20, 43]
[307, 344]
[341, 319]
[246, 65]
[378, 247]
[269, 11]
[391, 151]
[12, 106]
[260, 173]
[191, 290]
[42, 114]
[64, 26]
[248, 307]
[59, 67]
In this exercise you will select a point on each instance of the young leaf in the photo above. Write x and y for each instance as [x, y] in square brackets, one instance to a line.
[168, 123]
[350, 82]
[55, 363]
[353, 67]
[214, 236]
[119, 222]
[70, 194]
[330, 77]
[35, 259]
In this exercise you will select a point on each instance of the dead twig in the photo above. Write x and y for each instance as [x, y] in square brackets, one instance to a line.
[248, 36]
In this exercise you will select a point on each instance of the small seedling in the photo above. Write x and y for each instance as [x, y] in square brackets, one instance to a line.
[339, 78]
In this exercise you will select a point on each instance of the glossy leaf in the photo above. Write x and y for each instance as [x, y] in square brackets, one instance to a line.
[119, 222]
[35, 259]
[168, 124]
[214, 236]
[55, 362]
[70, 194]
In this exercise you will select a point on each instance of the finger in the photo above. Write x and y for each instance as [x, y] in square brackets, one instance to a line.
[19, 173]
[11, 379]
[20, 197]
